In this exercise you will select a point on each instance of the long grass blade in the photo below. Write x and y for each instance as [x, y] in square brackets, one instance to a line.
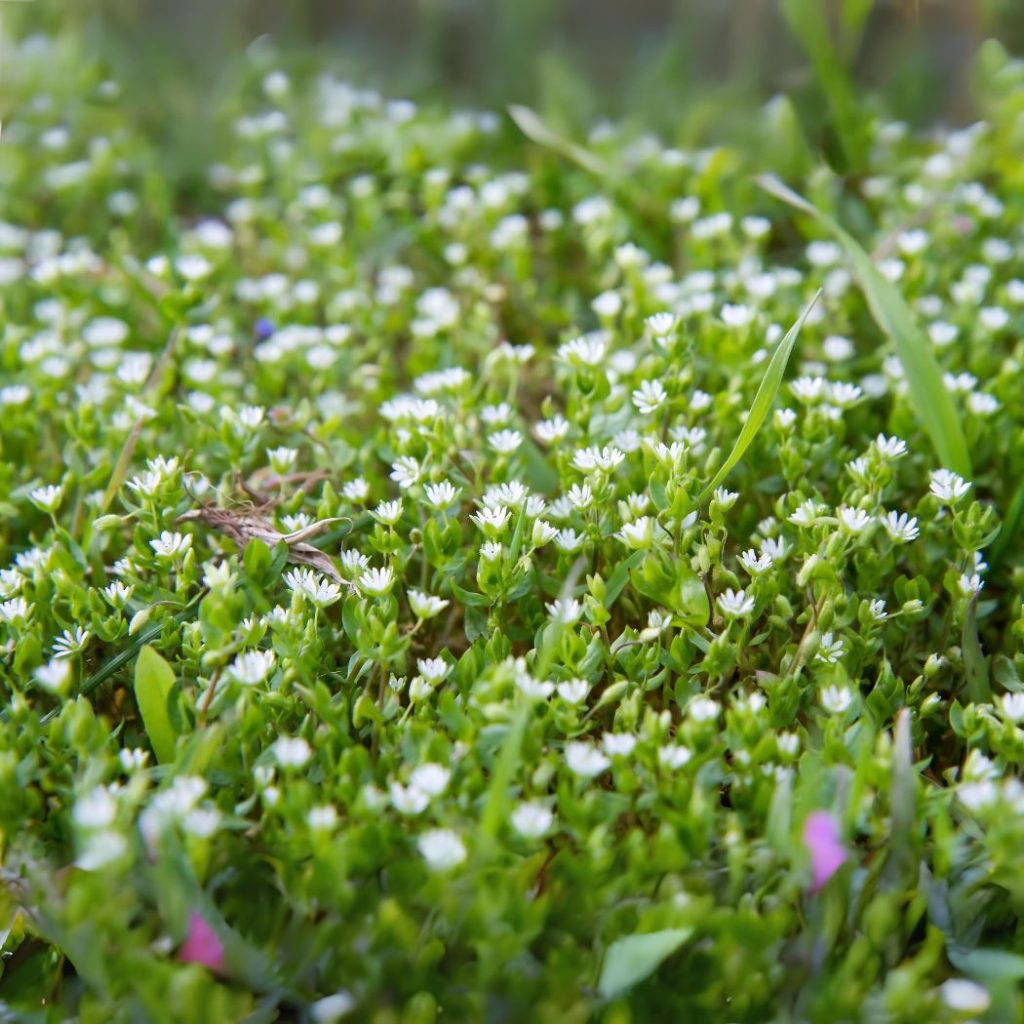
[928, 395]
[769, 388]
[530, 123]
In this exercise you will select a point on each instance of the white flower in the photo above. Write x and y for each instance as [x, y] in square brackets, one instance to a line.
[405, 471]
[532, 820]
[442, 849]
[618, 744]
[100, 849]
[982, 404]
[607, 304]
[492, 521]
[291, 751]
[754, 563]
[1013, 706]
[900, 526]
[15, 610]
[54, 676]
[322, 818]
[735, 603]
[890, 447]
[649, 397]
[433, 669]
[808, 389]
[377, 582]
[568, 540]
[332, 1008]
[573, 691]
[251, 667]
[638, 534]
[388, 512]
[71, 641]
[441, 495]
[504, 442]
[534, 689]
[426, 606]
[170, 545]
[725, 499]
[586, 351]
[970, 584]
[408, 799]
[774, 547]
[806, 513]
[703, 709]
[543, 533]
[590, 459]
[96, 809]
[584, 759]
[48, 498]
[673, 755]
[965, 996]
[836, 699]
[947, 486]
[356, 490]
[431, 778]
[855, 520]
[844, 395]
[552, 430]
[491, 551]
[830, 648]
[565, 610]
[661, 325]
[282, 459]
[312, 586]
[876, 609]
[201, 822]
[581, 497]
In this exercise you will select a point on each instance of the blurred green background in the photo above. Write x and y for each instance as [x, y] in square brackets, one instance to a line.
[694, 70]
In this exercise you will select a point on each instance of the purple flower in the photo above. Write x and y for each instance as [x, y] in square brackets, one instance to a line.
[821, 837]
[263, 328]
[202, 945]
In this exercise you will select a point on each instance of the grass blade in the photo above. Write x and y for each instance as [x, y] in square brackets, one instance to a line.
[530, 123]
[154, 684]
[763, 400]
[928, 395]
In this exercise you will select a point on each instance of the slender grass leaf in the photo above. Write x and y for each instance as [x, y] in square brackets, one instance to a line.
[902, 804]
[929, 398]
[978, 687]
[154, 684]
[530, 123]
[763, 400]
[630, 960]
[1009, 528]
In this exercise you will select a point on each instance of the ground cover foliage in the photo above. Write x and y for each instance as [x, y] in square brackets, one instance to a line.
[450, 566]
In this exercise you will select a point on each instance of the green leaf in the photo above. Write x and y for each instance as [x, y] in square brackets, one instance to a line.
[988, 964]
[534, 128]
[154, 685]
[929, 398]
[620, 577]
[763, 400]
[636, 957]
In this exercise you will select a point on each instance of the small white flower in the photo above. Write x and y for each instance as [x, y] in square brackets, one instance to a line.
[54, 676]
[71, 641]
[291, 751]
[1013, 706]
[491, 551]
[890, 447]
[637, 534]
[964, 996]
[405, 471]
[774, 547]
[808, 389]
[586, 351]
[504, 442]
[735, 603]
[96, 809]
[900, 526]
[47, 498]
[725, 499]
[806, 513]
[441, 495]
[581, 497]
[948, 486]
[15, 610]
[982, 404]
[703, 709]
[590, 459]
[649, 397]
[855, 520]
[356, 490]
[970, 584]
[543, 533]
[661, 325]
[433, 669]
[565, 610]
[282, 459]
[492, 521]
[388, 512]
[312, 586]
[674, 755]
[251, 667]
[332, 1008]
[430, 778]
[754, 563]
[442, 849]
[567, 540]
[784, 418]
[836, 699]
[169, 546]
[876, 609]
[830, 648]
[408, 799]
[552, 430]
[377, 582]
[618, 744]
[426, 606]
[532, 820]
[585, 760]
[573, 691]
[322, 818]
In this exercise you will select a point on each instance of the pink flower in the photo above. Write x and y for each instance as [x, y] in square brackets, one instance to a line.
[821, 837]
[202, 945]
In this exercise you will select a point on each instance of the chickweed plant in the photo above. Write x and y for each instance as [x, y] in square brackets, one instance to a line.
[451, 572]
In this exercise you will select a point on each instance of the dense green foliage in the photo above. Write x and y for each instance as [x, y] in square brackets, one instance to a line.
[377, 636]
